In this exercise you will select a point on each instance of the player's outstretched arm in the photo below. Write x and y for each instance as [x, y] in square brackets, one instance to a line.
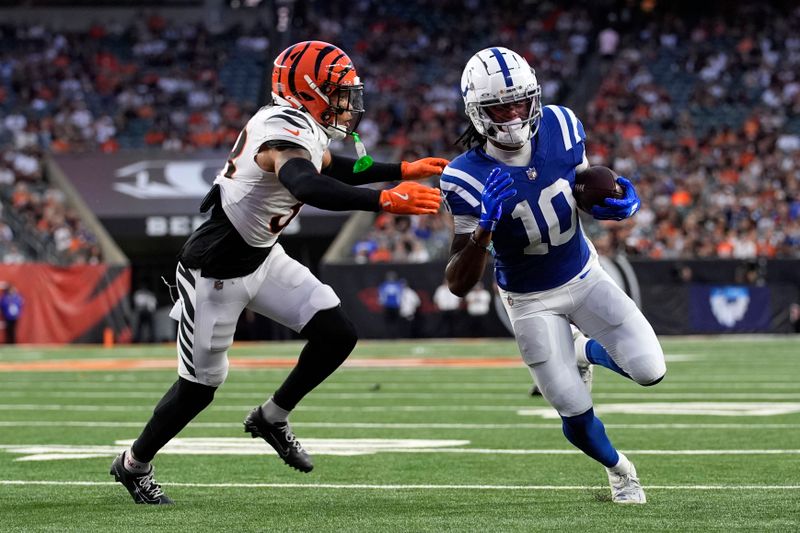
[298, 174]
[342, 168]
[469, 253]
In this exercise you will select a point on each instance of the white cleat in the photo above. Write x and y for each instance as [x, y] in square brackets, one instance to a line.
[626, 488]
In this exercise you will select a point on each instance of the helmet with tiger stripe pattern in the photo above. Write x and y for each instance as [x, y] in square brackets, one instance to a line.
[319, 78]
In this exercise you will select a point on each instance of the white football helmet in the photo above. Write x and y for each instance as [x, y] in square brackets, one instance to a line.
[501, 96]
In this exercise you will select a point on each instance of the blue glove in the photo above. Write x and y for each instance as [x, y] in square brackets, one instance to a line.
[496, 191]
[619, 208]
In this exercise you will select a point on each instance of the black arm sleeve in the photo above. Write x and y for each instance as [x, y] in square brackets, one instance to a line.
[300, 176]
[341, 168]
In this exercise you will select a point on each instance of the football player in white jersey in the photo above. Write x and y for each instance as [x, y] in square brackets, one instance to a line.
[233, 261]
[511, 196]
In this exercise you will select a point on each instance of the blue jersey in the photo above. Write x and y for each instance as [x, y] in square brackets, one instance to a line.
[538, 241]
[389, 293]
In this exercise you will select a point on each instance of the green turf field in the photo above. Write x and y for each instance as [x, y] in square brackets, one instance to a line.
[462, 448]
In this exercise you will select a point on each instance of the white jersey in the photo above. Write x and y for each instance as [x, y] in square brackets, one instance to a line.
[255, 201]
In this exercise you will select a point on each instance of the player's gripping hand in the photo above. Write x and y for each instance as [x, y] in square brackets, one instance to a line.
[422, 168]
[496, 191]
[411, 198]
[619, 208]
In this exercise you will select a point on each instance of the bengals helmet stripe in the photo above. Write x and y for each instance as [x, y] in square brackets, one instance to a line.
[282, 58]
[324, 52]
[330, 70]
[293, 69]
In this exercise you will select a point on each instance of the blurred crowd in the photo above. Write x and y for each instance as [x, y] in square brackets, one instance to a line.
[410, 56]
[404, 239]
[704, 117]
[36, 222]
[149, 84]
[701, 112]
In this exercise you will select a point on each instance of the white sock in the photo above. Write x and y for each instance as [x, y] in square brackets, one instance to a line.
[273, 412]
[580, 349]
[134, 466]
[623, 466]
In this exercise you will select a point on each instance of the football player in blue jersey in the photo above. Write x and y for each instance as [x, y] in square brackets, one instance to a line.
[511, 196]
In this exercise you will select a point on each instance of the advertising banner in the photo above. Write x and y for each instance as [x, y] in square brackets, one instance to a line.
[69, 304]
[152, 194]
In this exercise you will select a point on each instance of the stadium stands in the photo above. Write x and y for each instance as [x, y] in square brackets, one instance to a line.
[703, 114]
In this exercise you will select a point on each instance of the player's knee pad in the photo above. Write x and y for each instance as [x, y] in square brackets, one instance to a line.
[542, 337]
[332, 327]
[648, 374]
[655, 381]
[215, 375]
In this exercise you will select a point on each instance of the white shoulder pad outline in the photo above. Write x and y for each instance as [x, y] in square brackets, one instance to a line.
[465, 185]
[568, 122]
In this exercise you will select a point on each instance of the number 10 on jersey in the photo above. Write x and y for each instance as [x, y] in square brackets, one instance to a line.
[553, 213]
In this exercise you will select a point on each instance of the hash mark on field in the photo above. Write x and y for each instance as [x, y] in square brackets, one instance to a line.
[362, 486]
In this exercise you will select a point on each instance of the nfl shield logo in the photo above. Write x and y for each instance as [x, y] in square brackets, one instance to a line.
[531, 172]
[510, 301]
[218, 284]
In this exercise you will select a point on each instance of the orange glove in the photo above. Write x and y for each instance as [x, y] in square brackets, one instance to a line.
[410, 198]
[422, 168]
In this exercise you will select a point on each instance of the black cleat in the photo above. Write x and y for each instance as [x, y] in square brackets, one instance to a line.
[143, 487]
[280, 437]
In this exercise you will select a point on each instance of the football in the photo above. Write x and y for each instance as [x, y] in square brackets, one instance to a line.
[594, 185]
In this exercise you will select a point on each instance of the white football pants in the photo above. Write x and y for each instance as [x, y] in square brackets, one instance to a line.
[602, 311]
[208, 309]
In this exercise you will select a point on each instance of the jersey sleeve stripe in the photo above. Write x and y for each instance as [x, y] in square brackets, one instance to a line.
[463, 176]
[299, 115]
[562, 121]
[466, 195]
[575, 122]
[289, 120]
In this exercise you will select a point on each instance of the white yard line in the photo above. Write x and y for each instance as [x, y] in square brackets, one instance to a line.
[423, 386]
[244, 446]
[363, 486]
[378, 395]
[37, 387]
[301, 408]
[421, 425]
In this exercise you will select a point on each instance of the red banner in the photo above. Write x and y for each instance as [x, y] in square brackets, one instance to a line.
[70, 304]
